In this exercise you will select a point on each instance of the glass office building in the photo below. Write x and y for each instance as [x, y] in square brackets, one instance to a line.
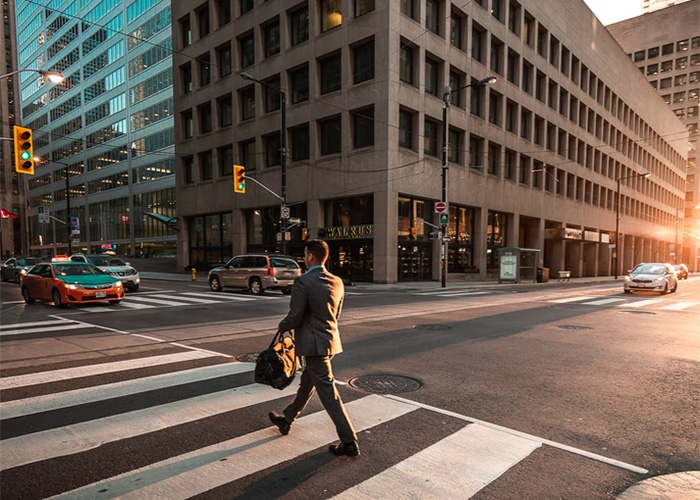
[105, 134]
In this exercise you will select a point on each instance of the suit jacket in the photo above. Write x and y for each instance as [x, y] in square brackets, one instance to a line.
[314, 309]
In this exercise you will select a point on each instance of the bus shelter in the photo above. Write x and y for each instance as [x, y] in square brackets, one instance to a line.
[517, 265]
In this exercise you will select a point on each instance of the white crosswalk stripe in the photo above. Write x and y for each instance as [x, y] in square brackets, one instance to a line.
[452, 293]
[465, 459]
[627, 302]
[9, 331]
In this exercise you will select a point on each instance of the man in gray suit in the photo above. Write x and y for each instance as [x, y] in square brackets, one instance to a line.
[317, 298]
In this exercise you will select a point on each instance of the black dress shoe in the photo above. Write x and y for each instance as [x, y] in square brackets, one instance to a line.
[345, 449]
[280, 422]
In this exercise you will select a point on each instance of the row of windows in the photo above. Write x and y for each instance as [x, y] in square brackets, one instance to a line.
[150, 57]
[65, 107]
[109, 108]
[137, 8]
[101, 10]
[681, 63]
[113, 131]
[152, 114]
[150, 28]
[151, 86]
[106, 58]
[677, 81]
[107, 158]
[666, 49]
[68, 84]
[100, 36]
[105, 84]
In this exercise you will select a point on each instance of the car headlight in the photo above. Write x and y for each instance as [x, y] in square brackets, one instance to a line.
[118, 284]
[23, 272]
[627, 278]
[74, 286]
[659, 279]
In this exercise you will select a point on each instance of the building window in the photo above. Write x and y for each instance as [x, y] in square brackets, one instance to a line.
[653, 69]
[186, 73]
[678, 97]
[330, 73]
[247, 102]
[223, 10]
[513, 66]
[694, 77]
[206, 166]
[225, 156]
[330, 14]
[666, 66]
[432, 71]
[495, 107]
[204, 70]
[497, 56]
[639, 55]
[362, 127]
[408, 8]
[514, 17]
[187, 124]
[529, 30]
[456, 80]
[695, 60]
[476, 151]
[405, 129]
[497, 9]
[478, 39]
[273, 97]
[432, 16]
[667, 49]
[246, 154]
[223, 56]
[653, 52]
[682, 45]
[272, 149]
[204, 113]
[247, 6]
[494, 159]
[300, 142]
[363, 7]
[477, 100]
[363, 61]
[299, 23]
[528, 71]
[430, 138]
[299, 83]
[330, 135]
[188, 168]
[406, 69]
[203, 21]
[185, 31]
[509, 165]
[271, 32]
[454, 146]
[681, 80]
[247, 48]
[456, 31]
[225, 108]
[511, 116]
[682, 62]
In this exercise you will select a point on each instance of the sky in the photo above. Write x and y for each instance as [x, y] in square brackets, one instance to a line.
[612, 11]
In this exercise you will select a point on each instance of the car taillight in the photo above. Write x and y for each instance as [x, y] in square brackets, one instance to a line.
[270, 271]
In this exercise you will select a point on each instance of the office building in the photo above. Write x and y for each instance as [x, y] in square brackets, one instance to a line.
[534, 159]
[654, 5]
[108, 127]
[665, 46]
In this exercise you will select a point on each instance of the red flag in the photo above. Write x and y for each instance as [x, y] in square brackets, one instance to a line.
[4, 214]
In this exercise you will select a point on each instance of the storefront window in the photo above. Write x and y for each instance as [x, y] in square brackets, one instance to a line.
[461, 248]
[496, 237]
[415, 249]
[210, 240]
[262, 228]
[349, 233]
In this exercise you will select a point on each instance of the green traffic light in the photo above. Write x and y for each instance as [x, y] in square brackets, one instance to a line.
[25, 155]
[241, 185]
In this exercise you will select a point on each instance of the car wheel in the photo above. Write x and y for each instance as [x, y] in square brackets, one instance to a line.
[27, 296]
[256, 287]
[675, 287]
[628, 291]
[287, 291]
[665, 291]
[133, 288]
[114, 302]
[215, 284]
[56, 297]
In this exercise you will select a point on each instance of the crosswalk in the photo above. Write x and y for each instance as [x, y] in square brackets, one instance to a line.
[629, 302]
[196, 429]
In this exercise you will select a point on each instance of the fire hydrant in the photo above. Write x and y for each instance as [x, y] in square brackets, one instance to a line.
[193, 271]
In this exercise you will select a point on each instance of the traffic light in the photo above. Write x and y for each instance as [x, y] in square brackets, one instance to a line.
[413, 232]
[24, 150]
[239, 178]
[304, 234]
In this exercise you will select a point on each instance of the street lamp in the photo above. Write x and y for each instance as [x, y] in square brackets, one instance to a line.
[616, 254]
[283, 152]
[68, 227]
[447, 93]
[53, 76]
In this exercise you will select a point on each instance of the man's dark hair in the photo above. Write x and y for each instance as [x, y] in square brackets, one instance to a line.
[319, 249]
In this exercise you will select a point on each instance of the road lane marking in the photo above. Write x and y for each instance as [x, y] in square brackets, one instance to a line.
[57, 328]
[134, 305]
[33, 323]
[571, 299]
[99, 369]
[220, 295]
[87, 395]
[602, 302]
[181, 298]
[554, 444]
[640, 303]
[202, 470]
[679, 306]
[161, 302]
[479, 453]
[83, 436]
[455, 293]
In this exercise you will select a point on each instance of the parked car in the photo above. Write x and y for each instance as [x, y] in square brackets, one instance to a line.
[64, 282]
[14, 267]
[113, 266]
[257, 273]
[681, 271]
[652, 277]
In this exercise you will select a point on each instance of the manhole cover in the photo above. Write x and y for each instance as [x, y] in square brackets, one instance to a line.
[434, 326]
[638, 312]
[251, 357]
[384, 384]
[574, 327]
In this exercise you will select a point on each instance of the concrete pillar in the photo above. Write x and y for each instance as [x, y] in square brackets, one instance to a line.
[604, 260]
[238, 232]
[627, 253]
[481, 222]
[555, 253]
[590, 259]
[538, 242]
[386, 223]
[574, 257]
[513, 222]
[314, 216]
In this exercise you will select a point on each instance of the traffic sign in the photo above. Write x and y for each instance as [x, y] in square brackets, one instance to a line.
[444, 219]
[286, 212]
[440, 207]
[43, 210]
[44, 219]
[435, 235]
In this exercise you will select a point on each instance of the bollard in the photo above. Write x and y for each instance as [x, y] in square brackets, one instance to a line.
[194, 274]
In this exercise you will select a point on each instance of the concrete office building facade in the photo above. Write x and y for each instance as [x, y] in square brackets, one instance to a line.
[534, 158]
[108, 126]
[665, 46]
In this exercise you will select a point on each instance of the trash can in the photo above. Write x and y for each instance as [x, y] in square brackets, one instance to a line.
[542, 274]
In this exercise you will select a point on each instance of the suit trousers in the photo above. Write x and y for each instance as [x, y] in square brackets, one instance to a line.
[318, 375]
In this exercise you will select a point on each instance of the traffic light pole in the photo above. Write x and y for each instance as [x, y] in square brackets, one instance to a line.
[444, 242]
[69, 229]
[283, 169]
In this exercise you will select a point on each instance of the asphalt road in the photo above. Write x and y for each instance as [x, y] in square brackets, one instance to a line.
[571, 391]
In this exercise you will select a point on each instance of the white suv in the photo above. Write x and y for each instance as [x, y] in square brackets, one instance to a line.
[113, 266]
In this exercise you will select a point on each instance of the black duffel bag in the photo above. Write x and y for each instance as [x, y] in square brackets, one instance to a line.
[277, 365]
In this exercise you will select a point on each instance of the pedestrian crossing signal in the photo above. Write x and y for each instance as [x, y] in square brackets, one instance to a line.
[239, 178]
[24, 150]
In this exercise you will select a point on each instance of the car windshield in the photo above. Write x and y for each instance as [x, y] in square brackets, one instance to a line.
[650, 269]
[105, 260]
[282, 262]
[678, 267]
[76, 270]
[30, 261]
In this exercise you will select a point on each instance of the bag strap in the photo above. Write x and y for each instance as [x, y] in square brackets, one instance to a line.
[279, 336]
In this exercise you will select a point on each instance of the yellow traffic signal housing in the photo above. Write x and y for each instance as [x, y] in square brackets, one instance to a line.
[24, 150]
[239, 178]
[413, 232]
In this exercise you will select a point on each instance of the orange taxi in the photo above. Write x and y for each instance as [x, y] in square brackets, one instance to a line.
[64, 282]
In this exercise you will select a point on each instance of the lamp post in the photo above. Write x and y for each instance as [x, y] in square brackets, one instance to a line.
[616, 254]
[54, 77]
[446, 95]
[283, 153]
